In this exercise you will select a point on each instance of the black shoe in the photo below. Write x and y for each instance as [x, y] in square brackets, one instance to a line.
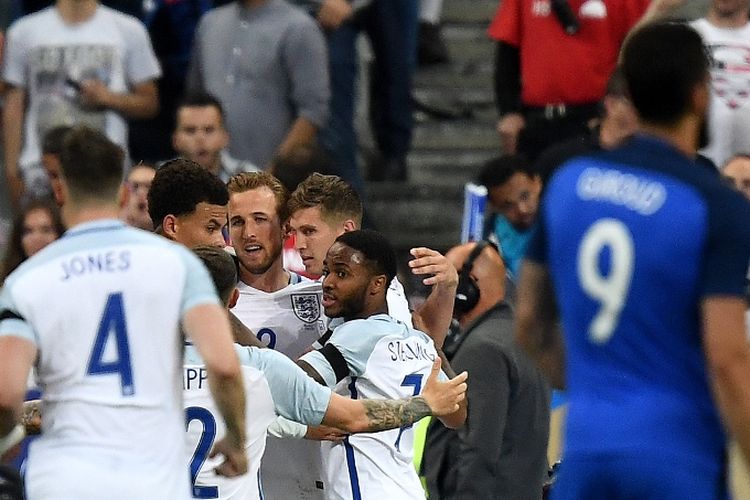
[430, 46]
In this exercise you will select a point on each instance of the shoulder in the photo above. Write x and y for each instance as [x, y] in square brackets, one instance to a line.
[36, 20]
[220, 14]
[124, 22]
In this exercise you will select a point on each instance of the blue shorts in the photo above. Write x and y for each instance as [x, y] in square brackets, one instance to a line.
[638, 477]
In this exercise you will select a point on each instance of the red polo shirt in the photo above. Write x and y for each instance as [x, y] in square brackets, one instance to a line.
[558, 68]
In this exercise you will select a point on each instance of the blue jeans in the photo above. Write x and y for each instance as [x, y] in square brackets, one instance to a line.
[391, 26]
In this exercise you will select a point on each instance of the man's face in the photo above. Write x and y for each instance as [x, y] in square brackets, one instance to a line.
[200, 135]
[135, 211]
[729, 8]
[517, 199]
[313, 237]
[346, 282]
[255, 229]
[738, 171]
[202, 227]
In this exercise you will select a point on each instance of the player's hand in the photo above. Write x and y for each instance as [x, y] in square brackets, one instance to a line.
[432, 262]
[509, 127]
[443, 397]
[235, 458]
[325, 433]
[32, 417]
[333, 13]
[94, 94]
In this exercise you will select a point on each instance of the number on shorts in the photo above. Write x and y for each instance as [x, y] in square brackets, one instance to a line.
[610, 290]
[113, 322]
[414, 380]
[202, 450]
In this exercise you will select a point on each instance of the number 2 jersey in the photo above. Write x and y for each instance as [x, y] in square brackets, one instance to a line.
[634, 239]
[103, 305]
[375, 358]
[274, 385]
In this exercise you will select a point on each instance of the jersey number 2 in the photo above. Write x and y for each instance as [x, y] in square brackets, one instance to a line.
[202, 450]
[610, 290]
[414, 380]
[113, 323]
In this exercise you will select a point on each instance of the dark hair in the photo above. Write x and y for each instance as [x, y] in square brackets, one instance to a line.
[179, 185]
[52, 143]
[200, 100]
[222, 268]
[497, 171]
[14, 254]
[248, 181]
[375, 247]
[335, 197]
[294, 167]
[92, 165]
[663, 63]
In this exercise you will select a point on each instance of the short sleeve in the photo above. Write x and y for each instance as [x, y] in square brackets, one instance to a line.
[727, 246]
[12, 323]
[141, 62]
[16, 54]
[506, 25]
[296, 395]
[199, 287]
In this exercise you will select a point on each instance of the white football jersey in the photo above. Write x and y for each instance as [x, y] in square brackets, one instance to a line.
[274, 385]
[289, 321]
[375, 358]
[103, 306]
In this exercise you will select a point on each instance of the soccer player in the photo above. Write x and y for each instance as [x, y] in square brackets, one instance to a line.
[323, 207]
[98, 313]
[644, 253]
[370, 355]
[276, 385]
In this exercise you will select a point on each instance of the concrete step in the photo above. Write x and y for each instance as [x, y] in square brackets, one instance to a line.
[447, 168]
[455, 135]
[471, 74]
[469, 11]
[415, 214]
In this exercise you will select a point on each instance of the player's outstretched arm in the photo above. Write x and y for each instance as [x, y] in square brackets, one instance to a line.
[208, 327]
[435, 314]
[537, 328]
[728, 355]
[441, 399]
[17, 355]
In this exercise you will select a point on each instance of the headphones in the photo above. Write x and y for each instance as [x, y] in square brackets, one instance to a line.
[467, 292]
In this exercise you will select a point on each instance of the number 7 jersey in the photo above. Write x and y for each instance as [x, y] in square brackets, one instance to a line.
[634, 239]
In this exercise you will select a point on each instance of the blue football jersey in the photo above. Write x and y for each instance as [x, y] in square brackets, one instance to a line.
[634, 239]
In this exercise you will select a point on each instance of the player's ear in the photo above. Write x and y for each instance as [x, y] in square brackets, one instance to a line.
[349, 226]
[169, 226]
[378, 284]
[123, 194]
[233, 298]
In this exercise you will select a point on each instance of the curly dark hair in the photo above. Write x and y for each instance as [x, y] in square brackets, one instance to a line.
[179, 185]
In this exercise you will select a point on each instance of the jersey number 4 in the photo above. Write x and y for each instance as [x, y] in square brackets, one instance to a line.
[111, 325]
[609, 290]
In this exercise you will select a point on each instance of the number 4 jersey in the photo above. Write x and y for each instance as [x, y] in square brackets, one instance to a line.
[103, 305]
[374, 358]
[633, 239]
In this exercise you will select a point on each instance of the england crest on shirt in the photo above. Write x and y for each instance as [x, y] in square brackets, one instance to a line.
[306, 306]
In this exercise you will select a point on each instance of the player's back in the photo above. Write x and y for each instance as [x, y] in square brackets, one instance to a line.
[105, 302]
[626, 235]
[205, 426]
[386, 360]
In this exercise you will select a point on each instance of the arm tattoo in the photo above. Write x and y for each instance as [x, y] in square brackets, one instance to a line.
[390, 414]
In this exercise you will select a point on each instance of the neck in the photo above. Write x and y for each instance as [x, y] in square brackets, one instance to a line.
[683, 136]
[370, 310]
[729, 20]
[76, 11]
[273, 280]
[78, 213]
[253, 3]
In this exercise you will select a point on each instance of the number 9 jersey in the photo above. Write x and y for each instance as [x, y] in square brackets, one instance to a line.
[634, 239]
